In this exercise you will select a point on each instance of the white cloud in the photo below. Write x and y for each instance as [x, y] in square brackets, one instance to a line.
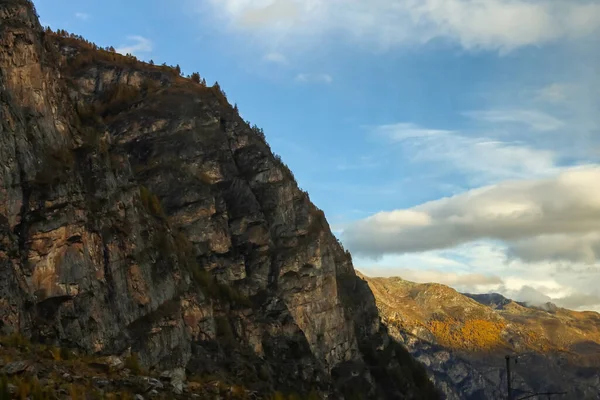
[314, 78]
[276, 58]
[579, 302]
[554, 93]
[433, 276]
[531, 296]
[82, 16]
[536, 293]
[530, 216]
[535, 120]
[501, 25]
[484, 267]
[489, 158]
[402, 131]
[140, 45]
[583, 247]
[276, 12]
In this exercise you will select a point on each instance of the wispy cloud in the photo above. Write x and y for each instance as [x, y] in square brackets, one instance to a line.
[276, 58]
[501, 25]
[560, 115]
[535, 120]
[554, 93]
[140, 45]
[82, 16]
[478, 156]
[276, 12]
[314, 78]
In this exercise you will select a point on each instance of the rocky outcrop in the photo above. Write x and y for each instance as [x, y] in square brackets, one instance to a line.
[463, 339]
[47, 372]
[140, 214]
[494, 300]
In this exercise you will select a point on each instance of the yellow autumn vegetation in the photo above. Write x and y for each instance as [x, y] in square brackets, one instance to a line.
[471, 334]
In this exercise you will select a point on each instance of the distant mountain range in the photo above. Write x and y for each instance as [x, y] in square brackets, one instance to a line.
[498, 302]
[463, 339]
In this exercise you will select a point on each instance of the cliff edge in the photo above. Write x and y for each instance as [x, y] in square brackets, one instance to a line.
[139, 214]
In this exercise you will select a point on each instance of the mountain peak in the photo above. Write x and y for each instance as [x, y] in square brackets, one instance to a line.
[494, 300]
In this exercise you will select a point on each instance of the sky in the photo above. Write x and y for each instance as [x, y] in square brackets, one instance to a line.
[454, 141]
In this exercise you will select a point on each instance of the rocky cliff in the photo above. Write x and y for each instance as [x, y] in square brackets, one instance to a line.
[139, 214]
[463, 340]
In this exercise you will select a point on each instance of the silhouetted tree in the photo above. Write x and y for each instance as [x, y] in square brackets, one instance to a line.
[195, 77]
[218, 87]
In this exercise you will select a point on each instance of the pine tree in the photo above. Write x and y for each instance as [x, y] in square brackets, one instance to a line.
[218, 87]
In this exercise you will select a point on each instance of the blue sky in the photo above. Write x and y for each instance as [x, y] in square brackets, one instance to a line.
[385, 109]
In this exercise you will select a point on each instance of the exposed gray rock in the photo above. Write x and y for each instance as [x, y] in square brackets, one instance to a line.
[17, 367]
[158, 222]
[155, 383]
[176, 379]
[100, 382]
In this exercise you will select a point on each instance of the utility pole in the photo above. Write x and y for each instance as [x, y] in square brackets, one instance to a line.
[508, 380]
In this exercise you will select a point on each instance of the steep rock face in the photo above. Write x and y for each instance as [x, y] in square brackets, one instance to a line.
[494, 300]
[140, 213]
[463, 339]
